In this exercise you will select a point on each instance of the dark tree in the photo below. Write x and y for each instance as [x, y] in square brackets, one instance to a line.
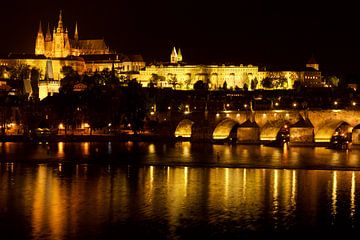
[225, 85]
[246, 87]
[34, 80]
[267, 83]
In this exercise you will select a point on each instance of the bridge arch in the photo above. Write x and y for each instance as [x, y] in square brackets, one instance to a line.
[184, 128]
[330, 128]
[271, 130]
[224, 129]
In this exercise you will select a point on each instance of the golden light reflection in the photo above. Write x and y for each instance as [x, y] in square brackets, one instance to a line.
[286, 151]
[186, 149]
[185, 180]
[61, 149]
[275, 192]
[352, 196]
[334, 195]
[152, 148]
[85, 148]
[151, 175]
[56, 215]
[39, 201]
[244, 182]
[293, 188]
[167, 175]
[150, 187]
[226, 184]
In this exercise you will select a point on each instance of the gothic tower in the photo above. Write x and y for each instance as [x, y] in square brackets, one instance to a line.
[76, 35]
[59, 39]
[174, 56]
[48, 42]
[179, 56]
[40, 43]
[312, 63]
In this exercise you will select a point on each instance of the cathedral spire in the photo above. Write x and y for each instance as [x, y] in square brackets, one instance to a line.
[76, 36]
[48, 33]
[60, 23]
[179, 56]
[40, 28]
[173, 56]
[40, 43]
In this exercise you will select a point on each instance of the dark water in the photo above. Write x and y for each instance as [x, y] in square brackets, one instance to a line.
[176, 191]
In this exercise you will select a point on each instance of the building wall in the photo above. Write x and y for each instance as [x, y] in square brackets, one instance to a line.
[184, 77]
[57, 64]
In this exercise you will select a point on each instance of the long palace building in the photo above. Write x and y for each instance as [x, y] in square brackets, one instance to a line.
[56, 49]
[176, 74]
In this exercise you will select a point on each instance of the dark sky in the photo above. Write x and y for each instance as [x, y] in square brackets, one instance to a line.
[261, 32]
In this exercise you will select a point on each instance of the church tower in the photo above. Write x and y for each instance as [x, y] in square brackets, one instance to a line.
[179, 56]
[40, 43]
[76, 35]
[59, 39]
[48, 42]
[174, 56]
[312, 63]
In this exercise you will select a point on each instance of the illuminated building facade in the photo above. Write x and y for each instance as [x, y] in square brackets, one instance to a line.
[59, 45]
[178, 75]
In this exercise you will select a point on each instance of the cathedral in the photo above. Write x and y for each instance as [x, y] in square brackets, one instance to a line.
[59, 45]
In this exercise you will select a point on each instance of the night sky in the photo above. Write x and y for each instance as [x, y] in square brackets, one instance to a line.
[272, 33]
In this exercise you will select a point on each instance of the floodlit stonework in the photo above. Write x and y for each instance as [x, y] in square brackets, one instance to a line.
[59, 45]
[178, 75]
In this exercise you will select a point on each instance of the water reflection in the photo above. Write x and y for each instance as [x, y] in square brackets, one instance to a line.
[183, 153]
[82, 200]
[334, 195]
[352, 197]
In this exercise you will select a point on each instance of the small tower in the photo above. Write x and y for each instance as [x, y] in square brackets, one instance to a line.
[40, 42]
[60, 27]
[312, 63]
[76, 35]
[179, 56]
[48, 42]
[173, 56]
[48, 37]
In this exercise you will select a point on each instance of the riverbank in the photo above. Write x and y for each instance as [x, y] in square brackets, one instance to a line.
[88, 138]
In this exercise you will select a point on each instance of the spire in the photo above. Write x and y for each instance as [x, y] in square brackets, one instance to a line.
[179, 56]
[173, 56]
[48, 33]
[76, 36]
[60, 23]
[40, 28]
[40, 44]
[312, 63]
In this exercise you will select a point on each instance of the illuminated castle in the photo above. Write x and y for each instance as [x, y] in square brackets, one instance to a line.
[59, 45]
[176, 57]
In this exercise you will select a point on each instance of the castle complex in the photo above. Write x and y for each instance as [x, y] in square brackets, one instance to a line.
[59, 45]
[57, 49]
[178, 75]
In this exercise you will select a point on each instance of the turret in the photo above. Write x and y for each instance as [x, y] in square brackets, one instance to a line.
[173, 56]
[40, 43]
[179, 56]
[60, 27]
[312, 63]
[48, 37]
[48, 42]
[76, 35]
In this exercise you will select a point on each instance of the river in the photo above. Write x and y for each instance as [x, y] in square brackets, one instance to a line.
[176, 191]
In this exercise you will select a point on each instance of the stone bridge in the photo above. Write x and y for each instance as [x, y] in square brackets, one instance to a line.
[310, 126]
